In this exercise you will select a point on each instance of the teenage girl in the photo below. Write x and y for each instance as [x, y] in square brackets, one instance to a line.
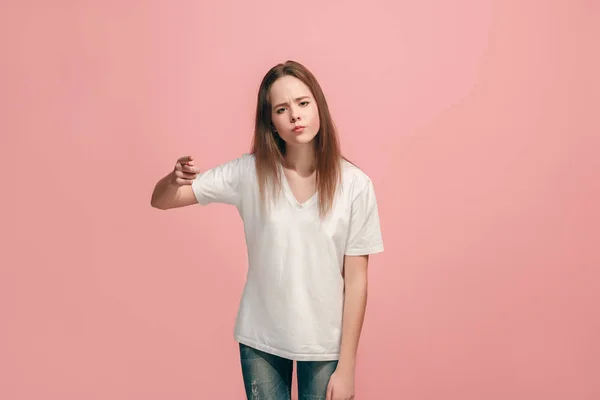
[310, 220]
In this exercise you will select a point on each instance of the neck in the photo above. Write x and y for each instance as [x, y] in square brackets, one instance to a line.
[300, 158]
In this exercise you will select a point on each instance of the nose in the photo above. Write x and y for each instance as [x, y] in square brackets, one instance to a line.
[295, 115]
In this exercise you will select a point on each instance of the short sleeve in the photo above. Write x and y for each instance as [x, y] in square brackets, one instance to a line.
[364, 236]
[221, 184]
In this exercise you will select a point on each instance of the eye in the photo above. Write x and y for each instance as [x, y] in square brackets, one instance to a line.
[305, 103]
[280, 110]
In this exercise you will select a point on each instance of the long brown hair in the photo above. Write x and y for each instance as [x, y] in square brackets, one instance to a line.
[269, 148]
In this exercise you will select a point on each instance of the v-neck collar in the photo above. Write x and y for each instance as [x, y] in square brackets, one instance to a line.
[290, 195]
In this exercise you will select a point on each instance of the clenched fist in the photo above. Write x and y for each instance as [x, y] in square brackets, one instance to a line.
[184, 172]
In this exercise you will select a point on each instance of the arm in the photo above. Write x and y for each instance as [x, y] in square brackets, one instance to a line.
[168, 195]
[364, 238]
[355, 301]
[186, 185]
[341, 383]
[175, 190]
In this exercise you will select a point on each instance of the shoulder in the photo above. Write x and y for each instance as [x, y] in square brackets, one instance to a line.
[354, 176]
[247, 160]
[354, 179]
[235, 168]
[241, 163]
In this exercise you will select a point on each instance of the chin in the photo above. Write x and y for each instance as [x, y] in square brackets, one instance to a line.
[303, 138]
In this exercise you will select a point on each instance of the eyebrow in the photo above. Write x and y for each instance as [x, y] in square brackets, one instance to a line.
[285, 104]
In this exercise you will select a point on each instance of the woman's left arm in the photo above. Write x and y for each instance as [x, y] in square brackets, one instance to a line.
[341, 383]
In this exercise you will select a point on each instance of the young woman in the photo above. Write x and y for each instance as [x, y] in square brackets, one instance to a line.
[310, 220]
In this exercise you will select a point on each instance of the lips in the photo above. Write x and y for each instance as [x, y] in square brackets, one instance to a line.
[298, 129]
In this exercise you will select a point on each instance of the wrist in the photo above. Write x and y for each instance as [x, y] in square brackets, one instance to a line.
[171, 178]
[347, 366]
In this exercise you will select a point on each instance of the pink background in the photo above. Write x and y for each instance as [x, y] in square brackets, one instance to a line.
[474, 119]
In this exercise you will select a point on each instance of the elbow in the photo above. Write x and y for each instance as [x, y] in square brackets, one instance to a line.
[160, 206]
[157, 205]
[359, 285]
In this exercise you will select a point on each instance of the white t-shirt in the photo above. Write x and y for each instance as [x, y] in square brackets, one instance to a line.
[292, 303]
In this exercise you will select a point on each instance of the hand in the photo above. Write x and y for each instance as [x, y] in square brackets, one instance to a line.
[184, 172]
[341, 385]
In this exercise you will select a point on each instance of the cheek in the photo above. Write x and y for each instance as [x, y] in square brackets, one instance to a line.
[315, 122]
[277, 122]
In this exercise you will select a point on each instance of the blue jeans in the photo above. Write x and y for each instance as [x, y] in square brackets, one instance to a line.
[269, 377]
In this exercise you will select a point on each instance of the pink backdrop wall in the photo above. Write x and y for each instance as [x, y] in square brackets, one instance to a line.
[474, 118]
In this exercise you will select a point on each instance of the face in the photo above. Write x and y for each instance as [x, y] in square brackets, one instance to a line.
[294, 111]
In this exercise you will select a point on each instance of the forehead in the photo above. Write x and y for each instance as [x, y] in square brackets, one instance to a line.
[288, 87]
